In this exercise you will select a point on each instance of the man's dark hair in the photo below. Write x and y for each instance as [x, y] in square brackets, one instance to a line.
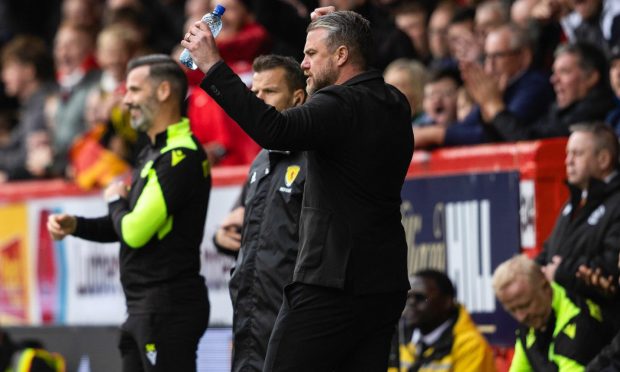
[30, 50]
[461, 15]
[591, 58]
[349, 29]
[163, 68]
[444, 284]
[451, 73]
[294, 75]
[604, 138]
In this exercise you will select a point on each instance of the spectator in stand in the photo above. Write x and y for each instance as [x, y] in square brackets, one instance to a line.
[85, 13]
[286, 22]
[558, 330]
[390, 42]
[462, 40]
[77, 73]
[269, 230]
[408, 76]
[435, 333]
[594, 21]
[440, 99]
[438, 35]
[582, 94]
[613, 118]
[28, 75]
[489, 15]
[587, 231]
[412, 19]
[526, 93]
[242, 39]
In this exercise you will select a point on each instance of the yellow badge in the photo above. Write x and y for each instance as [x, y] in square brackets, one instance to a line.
[291, 173]
[177, 156]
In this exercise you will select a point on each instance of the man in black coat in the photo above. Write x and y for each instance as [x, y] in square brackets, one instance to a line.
[350, 280]
[587, 231]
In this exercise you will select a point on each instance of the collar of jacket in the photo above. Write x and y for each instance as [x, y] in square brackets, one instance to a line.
[598, 190]
[174, 130]
[363, 77]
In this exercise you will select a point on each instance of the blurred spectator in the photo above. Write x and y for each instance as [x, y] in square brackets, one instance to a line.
[286, 22]
[435, 333]
[490, 15]
[131, 19]
[462, 41]
[408, 76]
[582, 94]
[507, 78]
[85, 13]
[593, 21]
[614, 77]
[438, 35]
[558, 331]
[412, 19]
[242, 38]
[77, 74]
[390, 43]
[27, 73]
[440, 99]
[545, 33]
[587, 231]
[464, 104]
[163, 26]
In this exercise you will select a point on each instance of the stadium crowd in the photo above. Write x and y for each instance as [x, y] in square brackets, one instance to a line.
[472, 71]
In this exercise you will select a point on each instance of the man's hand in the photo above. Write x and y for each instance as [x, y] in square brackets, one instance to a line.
[594, 278]
[321, 12]
[201, 45]
[61, 225]
[228, 235]
[483, 89]
[550, 268]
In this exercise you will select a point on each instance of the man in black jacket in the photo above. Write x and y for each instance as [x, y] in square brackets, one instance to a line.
[267, 234]
[587, 231]
[159, 222]
[350, 279]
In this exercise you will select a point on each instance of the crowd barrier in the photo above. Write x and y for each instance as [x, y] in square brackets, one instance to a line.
[465, 210]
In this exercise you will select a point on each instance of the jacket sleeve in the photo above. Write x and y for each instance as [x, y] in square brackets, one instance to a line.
[95, 229]
[609, 356]
[606, 260]
[169, 186]
[323, 121]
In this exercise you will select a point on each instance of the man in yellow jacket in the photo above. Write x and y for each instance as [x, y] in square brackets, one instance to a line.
[436, 333]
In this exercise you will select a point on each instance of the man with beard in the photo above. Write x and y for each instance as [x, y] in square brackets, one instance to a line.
[436, 333]
[350, 279]
[159, 222]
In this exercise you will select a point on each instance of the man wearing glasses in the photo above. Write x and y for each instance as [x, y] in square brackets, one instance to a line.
[436, 333]
[507, 76]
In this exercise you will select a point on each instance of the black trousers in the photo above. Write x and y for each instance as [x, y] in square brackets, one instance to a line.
[161, 342]
[323, 329]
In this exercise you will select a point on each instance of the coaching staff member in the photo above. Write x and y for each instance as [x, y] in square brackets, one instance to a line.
[350, 279]
[159, 223]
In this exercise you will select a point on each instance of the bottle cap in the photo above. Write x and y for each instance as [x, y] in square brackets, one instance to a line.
[219, 10]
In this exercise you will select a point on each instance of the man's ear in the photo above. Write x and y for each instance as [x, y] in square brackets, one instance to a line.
[592, 79]
[342, 55]
[299, 96]
[604, 159]
[163, 91]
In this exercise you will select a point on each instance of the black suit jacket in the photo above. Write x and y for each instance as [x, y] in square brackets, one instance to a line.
[359, 144]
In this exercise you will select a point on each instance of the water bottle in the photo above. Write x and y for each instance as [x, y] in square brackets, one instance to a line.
[214, 21]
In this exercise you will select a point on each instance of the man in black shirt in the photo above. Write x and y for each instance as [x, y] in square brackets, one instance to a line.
[159, 222]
